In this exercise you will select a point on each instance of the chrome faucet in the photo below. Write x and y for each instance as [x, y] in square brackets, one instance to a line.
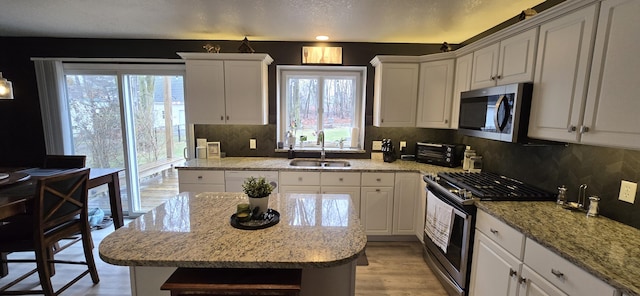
[320, 141]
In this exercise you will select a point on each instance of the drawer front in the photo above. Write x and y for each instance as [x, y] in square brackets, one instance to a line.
[568, 277]
[299, 178]
[201, 177]
[340, 179]
[503, 234]
[378, 179]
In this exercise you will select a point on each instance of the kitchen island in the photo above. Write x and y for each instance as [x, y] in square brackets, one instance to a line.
[318, 233]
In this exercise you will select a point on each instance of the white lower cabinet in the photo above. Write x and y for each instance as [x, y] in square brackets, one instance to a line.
[201, 181]
[342, 183]
[300, 182]
[493, 270]
[376, 203]
[405, 203]
[504, 263]
[532, 284]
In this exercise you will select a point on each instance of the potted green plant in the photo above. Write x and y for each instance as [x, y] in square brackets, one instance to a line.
[258, 191]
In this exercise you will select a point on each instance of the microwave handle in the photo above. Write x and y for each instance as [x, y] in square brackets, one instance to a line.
[500, 125]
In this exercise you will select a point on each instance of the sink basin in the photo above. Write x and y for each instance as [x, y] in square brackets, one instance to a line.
[319, 163]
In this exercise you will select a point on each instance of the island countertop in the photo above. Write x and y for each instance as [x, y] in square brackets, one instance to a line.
[193, 230]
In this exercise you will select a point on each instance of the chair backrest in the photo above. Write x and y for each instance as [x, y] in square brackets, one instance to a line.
[64, 161]
[61, 198]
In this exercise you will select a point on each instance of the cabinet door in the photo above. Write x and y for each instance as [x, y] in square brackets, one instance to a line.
[533, 284]
[462, 83]
[396, 93]
[422, 208]
[559, 88]
[612, 99]
[485, 65]
[435, 94]
[376, 206]
[204, 92]
[404, 203]
[353, 191]
[516, 59]
[493, 270]
[245, 92]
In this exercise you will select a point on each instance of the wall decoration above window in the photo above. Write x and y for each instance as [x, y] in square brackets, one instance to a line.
[321, 55]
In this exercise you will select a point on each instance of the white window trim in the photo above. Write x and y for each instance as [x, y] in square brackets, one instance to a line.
[360, 104]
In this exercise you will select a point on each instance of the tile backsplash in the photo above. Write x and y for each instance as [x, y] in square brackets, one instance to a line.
[551, 166]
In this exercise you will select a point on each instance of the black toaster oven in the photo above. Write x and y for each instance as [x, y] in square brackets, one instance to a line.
[449, 155]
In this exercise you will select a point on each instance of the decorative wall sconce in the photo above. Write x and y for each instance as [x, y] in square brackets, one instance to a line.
[6, 89]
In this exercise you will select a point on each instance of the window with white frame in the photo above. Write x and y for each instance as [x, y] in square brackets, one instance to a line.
[321, 98]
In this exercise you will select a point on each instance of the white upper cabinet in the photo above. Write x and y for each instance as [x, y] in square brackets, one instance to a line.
[435, 94]
[509, 61]
[560, 82]
[612, 106]
[395, 92]
[462, 82]
[226, 88]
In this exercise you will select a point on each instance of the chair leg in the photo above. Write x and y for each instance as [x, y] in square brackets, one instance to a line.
[43, 265]
[87, 244]
[4, 266]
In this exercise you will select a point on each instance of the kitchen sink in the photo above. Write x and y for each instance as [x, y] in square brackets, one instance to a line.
[320, 163]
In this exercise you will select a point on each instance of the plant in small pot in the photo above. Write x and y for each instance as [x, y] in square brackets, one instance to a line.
[258, 191]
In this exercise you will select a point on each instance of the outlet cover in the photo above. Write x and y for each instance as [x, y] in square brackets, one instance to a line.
[252, 144]
[376, 146]
[628, 191]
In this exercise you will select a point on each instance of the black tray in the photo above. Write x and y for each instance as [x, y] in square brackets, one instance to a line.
[267, 219]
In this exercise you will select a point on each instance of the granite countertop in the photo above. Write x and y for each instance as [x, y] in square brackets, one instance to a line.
[282, 164]
[601, 246]
[193, 230]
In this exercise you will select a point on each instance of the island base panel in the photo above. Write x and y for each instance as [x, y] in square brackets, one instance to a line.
[337, 281]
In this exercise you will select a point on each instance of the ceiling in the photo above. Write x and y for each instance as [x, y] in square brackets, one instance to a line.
[387, 21]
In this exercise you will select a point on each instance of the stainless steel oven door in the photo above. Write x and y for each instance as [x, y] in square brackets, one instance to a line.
[452, 267]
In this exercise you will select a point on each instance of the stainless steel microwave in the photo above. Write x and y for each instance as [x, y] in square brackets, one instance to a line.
[498, 113]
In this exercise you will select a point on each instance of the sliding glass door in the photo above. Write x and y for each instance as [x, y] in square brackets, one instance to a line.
[128, 119]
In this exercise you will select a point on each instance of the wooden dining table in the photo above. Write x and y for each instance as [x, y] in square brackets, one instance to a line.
[19, 188]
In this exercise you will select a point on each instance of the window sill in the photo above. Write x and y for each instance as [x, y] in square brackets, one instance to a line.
[326, 150]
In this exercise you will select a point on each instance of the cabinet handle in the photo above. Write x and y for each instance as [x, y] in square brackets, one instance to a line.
[221, 117]
[522, 280]
[557, 273]
[512, 272]
[377, 190]
[493, 78]
[227, 117]
[300, 179]
[340, 179]
[493, 231]
[199, 177]
[378, 180]
[571, 129]
[584, 129]
[446, 121]
[499, 77]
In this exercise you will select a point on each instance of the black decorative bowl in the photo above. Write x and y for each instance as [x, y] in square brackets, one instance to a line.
[267, 219]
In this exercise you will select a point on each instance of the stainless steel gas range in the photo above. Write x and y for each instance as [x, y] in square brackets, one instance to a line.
[459, 190]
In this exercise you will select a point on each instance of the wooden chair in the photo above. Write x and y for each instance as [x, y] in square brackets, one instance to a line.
[64, 161]
[59, 211]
